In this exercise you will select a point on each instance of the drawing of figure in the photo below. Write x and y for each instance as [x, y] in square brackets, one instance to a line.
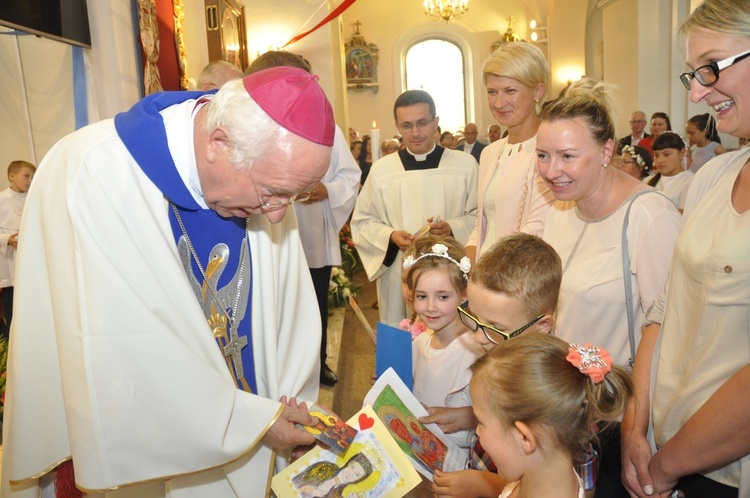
[426, 449]
[328, 480]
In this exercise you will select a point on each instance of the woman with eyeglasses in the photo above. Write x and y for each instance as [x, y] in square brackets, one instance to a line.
[699, 407]
[511, 196]
[608, 283]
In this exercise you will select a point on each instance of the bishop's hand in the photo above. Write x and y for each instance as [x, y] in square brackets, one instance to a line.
[283, 434]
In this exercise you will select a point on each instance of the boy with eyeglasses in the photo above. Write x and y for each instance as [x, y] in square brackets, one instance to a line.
[513, 290]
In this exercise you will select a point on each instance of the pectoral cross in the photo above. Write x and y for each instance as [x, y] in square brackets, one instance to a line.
[233, 350]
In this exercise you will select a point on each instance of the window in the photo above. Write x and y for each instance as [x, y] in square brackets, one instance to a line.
[437, 67]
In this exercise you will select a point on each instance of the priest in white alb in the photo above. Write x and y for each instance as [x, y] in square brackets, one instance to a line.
[424, 184]
[164, 305]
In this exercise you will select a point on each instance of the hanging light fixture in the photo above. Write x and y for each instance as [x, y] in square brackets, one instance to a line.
[446, 9]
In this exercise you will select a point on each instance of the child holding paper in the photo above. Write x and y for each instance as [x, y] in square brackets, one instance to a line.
[441, 356]
[513, 291]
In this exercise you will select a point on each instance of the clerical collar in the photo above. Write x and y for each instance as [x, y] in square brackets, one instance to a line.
[179, 124]
[430, 160]
[422, 157]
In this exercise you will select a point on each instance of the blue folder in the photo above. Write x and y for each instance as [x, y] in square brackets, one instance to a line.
[394, 350]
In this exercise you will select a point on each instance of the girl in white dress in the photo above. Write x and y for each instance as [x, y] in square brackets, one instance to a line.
[671, 178]
[442, 355]
[536, 399]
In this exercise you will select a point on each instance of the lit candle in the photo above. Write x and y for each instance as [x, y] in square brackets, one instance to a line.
[375, 140]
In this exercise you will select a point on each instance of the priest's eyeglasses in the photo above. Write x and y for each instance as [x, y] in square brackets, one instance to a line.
[473, 324]
[708, 75]
[420, 125]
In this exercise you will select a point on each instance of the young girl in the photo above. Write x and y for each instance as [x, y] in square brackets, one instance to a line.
[437, 279]
[636, 161]
[536, 399]
[671, 178]
[413, 324]
[705, 143]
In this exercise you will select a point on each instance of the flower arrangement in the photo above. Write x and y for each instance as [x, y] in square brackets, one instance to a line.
[340, 288]
[350, 261]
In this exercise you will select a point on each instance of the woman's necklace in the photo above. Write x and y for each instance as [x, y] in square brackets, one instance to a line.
[235, 344]
[587, 222]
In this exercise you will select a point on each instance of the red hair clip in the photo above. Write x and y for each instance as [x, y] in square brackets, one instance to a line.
[592, 361]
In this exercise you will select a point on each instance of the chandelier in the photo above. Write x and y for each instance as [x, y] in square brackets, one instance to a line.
[446, 9]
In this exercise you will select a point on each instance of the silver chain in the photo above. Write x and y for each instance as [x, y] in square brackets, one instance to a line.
[203, 272]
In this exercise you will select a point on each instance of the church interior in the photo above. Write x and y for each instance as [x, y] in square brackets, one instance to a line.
[364, 55]
[53, 87]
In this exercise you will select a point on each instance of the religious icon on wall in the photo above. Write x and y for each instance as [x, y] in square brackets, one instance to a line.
[361, 62]
[225, 31]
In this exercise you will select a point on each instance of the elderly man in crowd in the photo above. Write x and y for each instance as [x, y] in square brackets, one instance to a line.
[215, 74]
[471, 145]
[637, 127]
[494, 133]
[164, 303]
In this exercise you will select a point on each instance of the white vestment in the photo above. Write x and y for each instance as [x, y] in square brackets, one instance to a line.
[320, 222]
[112, 360]
[11, 208]
[395, 199]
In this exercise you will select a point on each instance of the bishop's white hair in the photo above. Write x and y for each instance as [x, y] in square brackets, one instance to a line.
[252, 132]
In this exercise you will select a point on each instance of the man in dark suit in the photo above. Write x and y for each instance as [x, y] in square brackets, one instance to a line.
[637, 125]
[471, 145]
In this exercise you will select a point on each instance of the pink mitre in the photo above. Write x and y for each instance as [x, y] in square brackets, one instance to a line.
[293, 98]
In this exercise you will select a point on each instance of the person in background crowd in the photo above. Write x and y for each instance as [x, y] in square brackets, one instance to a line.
[389, 146]
[659, 124]
[636, 161]
[472, 146]
[215, 74]
[637, 126]
[494, 132]
[671, 178]
[447, 140]
[353, 135]
[365, 157]
[12, 200]
[704, 140]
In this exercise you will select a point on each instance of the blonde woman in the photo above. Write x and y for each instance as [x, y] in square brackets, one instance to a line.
[600, 300]
[511, 196]
[700, 410]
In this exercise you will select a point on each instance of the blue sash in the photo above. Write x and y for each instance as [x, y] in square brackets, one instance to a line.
[142, 131]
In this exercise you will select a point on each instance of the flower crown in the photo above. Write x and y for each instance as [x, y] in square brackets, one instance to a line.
[629, 149]
[440, 251]
[592, 361]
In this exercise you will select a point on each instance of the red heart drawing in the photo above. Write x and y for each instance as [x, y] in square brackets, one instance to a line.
[365, 422]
